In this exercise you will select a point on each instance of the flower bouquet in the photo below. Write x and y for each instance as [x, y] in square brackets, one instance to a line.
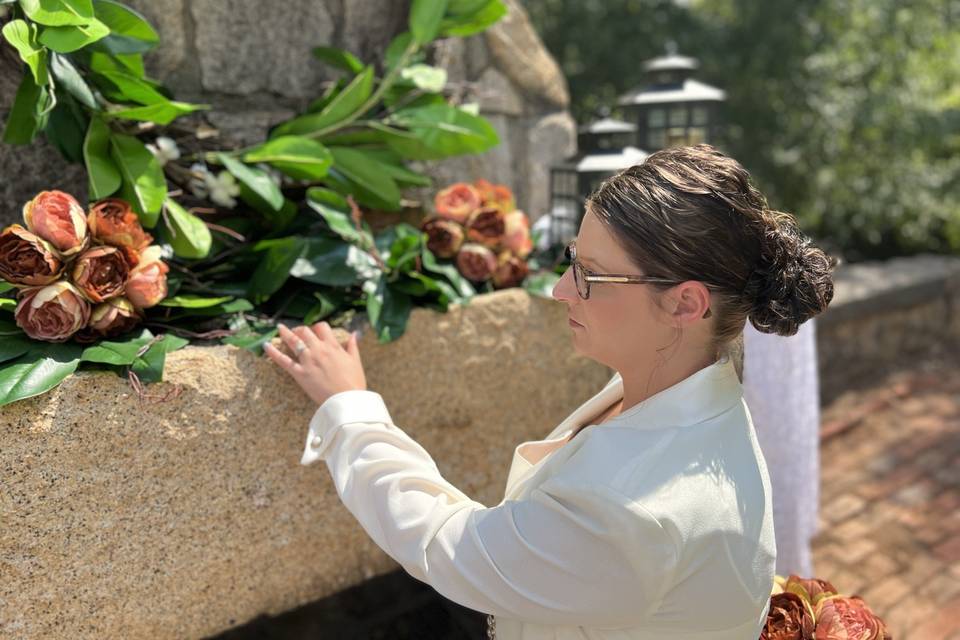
[480, 229]
[80, 275]
[813, 609]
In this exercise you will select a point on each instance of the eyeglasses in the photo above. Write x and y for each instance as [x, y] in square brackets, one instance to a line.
[582, 276]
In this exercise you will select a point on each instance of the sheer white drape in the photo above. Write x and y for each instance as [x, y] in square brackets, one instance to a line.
[781, 388]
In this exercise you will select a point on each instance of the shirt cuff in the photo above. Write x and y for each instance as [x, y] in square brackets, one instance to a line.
[354, 405]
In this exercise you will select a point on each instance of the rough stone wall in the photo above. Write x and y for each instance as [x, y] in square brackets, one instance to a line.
[251, 61]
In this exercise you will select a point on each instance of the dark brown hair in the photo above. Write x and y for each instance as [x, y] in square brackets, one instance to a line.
[691, 213]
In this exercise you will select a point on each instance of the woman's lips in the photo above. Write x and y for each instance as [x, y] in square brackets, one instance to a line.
[573, 323]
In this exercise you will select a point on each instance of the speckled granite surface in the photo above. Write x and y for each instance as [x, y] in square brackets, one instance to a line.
[190, 513]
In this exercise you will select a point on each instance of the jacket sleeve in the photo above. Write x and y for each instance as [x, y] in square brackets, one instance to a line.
[570, 554]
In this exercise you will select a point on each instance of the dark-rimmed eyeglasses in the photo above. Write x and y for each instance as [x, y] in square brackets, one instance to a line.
[582, 276]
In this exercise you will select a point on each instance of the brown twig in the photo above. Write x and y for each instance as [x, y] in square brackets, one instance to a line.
[356, 215]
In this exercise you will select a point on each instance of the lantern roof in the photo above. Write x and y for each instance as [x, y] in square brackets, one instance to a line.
[689, 90]
[607, 125]
[615, 161]
[671, 62]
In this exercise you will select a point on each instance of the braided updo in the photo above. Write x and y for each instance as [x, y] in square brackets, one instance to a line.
[692, 213]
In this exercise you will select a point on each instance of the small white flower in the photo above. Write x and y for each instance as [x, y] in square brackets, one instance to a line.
[222, 189]
[164, 150]
[198, 183]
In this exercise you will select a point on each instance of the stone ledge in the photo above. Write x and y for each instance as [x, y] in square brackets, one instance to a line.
[183, 517]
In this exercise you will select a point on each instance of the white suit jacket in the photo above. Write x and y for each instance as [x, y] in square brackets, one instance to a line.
[654, 524]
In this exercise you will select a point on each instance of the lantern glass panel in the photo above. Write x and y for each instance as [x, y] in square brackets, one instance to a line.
[678, 116]
[656, 117]
[676, 136]
[656, 139]
[700, 116]
[697, 135]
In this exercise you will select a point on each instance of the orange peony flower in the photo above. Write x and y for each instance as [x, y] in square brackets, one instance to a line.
[486, 226]
[510, 272]
[457, 202]
[475, 262]
[444, 236]
[113, 221]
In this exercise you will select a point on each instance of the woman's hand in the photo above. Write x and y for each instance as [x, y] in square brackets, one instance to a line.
[323, 367]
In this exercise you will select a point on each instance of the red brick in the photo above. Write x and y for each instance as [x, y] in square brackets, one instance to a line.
[949, 550]
[942, 624]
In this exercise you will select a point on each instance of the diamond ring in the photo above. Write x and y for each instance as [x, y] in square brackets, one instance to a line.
[300, 348]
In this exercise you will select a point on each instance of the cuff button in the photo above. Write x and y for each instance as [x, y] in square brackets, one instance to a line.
[316, 442]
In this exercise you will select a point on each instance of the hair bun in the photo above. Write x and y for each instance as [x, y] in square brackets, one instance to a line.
[792, 281]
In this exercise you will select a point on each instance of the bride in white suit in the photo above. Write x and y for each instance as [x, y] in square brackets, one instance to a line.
[647, 513]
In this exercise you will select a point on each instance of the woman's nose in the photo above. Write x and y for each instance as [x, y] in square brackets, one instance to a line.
[565, 289]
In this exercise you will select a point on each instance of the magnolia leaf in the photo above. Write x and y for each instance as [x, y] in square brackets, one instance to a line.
[23, 37]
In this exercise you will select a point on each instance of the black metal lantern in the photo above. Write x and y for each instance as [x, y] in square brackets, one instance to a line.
[605, 147]
[673, 109]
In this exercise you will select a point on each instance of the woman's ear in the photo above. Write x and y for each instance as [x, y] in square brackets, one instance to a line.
[691, 302]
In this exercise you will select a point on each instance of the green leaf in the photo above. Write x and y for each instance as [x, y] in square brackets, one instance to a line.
[387, 309]
[441, 131]
[324, 202]
[149, 366]
[357, 167]
[541, 284]
[326, 305]
[191, 301]
[425, 77]
[251, 340]
[353, 96]
[189, 235]
[396, 48]
[160, 112]
[144, 185]
[72, 37]
[23, 37]
[298, 157]
[125, 87]
[66, 128]
[473, 22]
[332, 262]
[124, 21]
[29, 112]
[338, 58]
[37, 371]
[274, 269]
[425, 18]
[58, 12]
[256, 180]
[463, 287]
[14, 346]
[104, 177]
[68, 77]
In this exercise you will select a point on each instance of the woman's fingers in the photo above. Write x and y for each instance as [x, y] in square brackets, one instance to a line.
[290, 338]
[309, 337]
[284, 361]
[325, 333]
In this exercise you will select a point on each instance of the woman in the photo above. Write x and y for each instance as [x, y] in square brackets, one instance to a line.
[652, 517]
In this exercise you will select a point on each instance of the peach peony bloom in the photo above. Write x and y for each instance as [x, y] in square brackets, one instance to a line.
[486, 226]
[510, 272]
[516, 235]
[444, 236]
[58, 218]
[53, 312]
[457, 202]
[101, 272]
[27, 259]
[147, 284]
